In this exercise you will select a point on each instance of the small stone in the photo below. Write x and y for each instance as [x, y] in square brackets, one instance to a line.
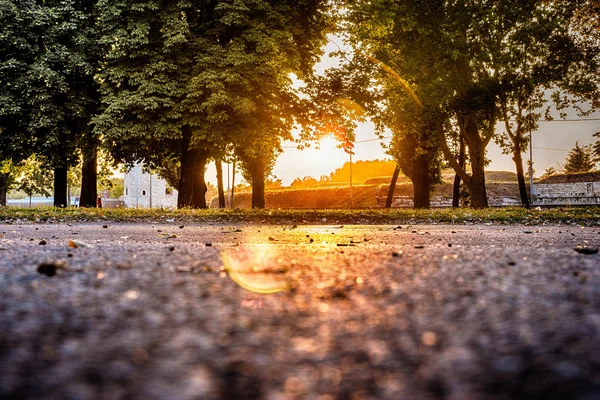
[586, 250]
[42, 242]
[429, 339]
[47, 269]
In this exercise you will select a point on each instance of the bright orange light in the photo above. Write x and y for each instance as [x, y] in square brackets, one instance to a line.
[328, 144]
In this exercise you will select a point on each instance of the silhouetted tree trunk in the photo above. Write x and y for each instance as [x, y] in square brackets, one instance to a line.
[4, 179]
[518, 159]
[257, 169]
[220, 187]
[392, 188]
[60, 186]
[461, 162]
[199, 182]
[420, 181]
[476, 146]
[89, 175]
[187, 176]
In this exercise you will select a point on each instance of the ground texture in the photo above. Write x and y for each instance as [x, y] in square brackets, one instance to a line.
[167, 311]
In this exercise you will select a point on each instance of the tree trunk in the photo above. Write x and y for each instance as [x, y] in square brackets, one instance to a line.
[392, 188]
[258, 167]
[186, 177]
[89, 176]
[476, 146]
[199, 182]
[220, 187]
[477, 184]
[518, 159]
[420, 181]
[461, 163]
[60, 186]
[4, 178]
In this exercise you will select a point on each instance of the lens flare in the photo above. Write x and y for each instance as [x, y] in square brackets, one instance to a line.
[256, 268]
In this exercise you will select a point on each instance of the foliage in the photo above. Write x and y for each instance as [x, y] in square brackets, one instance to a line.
[550, 171]
[48, 63]
[596, 147]
[35, 178]
[208, 76]
[114, 185]
[579, 159]
[306, 182]
[468, 62]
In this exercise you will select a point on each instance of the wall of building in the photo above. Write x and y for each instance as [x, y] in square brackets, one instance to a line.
[145, 190]
[561, 194]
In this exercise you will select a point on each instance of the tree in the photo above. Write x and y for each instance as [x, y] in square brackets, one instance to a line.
[464, 61]
[579, 159]
[545, 55]
[548, 172]
[428, 48]
[35, 178]
[49, 80]
[17, 49]
[8, 172]
[187, 80]
[596, 148]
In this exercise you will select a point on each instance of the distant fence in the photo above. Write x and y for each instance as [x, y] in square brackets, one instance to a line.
[48, 202]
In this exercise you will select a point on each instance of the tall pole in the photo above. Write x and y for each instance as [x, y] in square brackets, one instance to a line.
[530, 168]
[232, 198]
[150, 190]
[351, 199]
[228, 189]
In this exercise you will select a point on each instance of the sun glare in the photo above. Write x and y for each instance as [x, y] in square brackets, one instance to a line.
[328, 145]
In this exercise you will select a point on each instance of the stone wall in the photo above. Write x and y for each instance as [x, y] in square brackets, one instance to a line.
[445, 201]
[566, 193]
[145, 190]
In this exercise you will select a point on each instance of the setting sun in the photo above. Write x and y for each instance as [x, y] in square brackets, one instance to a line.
[328, 145]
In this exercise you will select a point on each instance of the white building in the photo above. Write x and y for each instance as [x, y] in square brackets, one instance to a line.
[145, 190]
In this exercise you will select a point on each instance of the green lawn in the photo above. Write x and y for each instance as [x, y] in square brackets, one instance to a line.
[589, 216]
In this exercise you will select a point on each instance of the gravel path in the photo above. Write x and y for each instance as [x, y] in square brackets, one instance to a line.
[353, 312]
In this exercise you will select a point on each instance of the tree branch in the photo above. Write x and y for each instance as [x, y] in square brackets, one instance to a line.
[448, 154]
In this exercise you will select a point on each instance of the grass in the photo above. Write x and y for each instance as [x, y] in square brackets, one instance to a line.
[577, 216]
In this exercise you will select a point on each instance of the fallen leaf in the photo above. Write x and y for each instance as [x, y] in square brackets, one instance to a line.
[76, 244]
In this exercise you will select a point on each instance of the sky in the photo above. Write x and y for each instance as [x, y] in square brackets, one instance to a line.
[551, 143]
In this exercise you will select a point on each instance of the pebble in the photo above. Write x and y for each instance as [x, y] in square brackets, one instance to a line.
[586, 250]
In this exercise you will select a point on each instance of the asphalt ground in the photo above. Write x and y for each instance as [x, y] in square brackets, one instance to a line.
[167, 311]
